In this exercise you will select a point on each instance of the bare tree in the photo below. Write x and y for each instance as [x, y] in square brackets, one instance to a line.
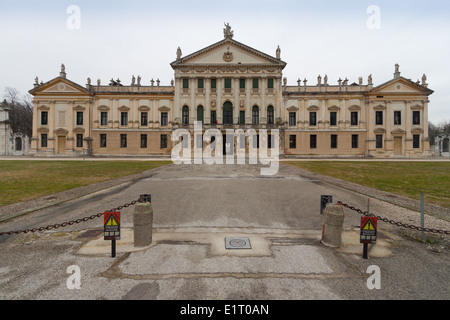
[21, 113]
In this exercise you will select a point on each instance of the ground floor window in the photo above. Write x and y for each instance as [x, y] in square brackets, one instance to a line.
[313, 141]
[333, 141]
[44, 140]
[163, 141]
[123, 140]
[79, 141]
[379, 141]
[103, 140]
[416, 141]
[292, 141]
[143, 141]
[354, 141]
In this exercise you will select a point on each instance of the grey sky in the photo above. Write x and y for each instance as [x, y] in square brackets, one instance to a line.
[118, 39]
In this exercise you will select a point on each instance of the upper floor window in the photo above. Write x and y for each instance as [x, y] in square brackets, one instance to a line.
[333, 118]
[227, 83]
[255, 83]
[185, 116]
[213, 83]
[397, 117]
[144, 118]
[185, 83]
[44, 117]
[270, 115]
[79, 118]
[378, 117]
[124, 118]
[416, 117]
[270, 83]
[354, 118]
[104, 118]
[164, 119]
[200, 83]
[313, 118]
[292, 119]
[255, 115]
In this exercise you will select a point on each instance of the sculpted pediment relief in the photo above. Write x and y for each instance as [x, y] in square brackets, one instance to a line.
[59, 86]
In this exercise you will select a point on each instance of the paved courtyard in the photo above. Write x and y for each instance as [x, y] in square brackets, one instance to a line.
[195, 208]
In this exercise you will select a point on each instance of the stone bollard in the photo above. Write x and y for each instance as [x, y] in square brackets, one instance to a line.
[332, 226]
[142, 224]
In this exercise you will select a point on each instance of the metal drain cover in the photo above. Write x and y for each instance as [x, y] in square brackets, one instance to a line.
[237, 243]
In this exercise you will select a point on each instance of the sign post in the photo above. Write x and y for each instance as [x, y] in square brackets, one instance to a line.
[368, 232]
[111, 223]
[324, 200]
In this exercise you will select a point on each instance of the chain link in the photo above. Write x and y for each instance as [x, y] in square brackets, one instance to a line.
[63, 224]
[400, 224]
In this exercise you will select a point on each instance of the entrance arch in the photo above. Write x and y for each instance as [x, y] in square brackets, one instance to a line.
[227, 113]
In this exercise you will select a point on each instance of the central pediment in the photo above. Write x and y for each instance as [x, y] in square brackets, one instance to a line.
[228, 52]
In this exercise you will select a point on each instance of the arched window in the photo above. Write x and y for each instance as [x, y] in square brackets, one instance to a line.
[255, 115]
[227, 113]
[200, 114]
[270, 117]
[185, 119]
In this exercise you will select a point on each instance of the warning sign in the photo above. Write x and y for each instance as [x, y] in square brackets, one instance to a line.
[111, 225]
[368, 229]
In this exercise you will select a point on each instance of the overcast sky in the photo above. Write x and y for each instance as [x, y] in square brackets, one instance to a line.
[118, 39]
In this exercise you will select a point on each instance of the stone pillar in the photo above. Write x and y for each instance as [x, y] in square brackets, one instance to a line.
[332, 227]
[142, 224]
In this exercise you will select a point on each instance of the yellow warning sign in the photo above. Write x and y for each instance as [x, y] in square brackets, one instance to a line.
[111, 222]
[369, 226]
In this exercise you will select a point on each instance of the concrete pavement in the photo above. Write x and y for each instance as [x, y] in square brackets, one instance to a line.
[195, 209]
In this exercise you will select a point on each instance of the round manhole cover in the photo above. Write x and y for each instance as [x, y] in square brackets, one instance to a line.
[237, 243]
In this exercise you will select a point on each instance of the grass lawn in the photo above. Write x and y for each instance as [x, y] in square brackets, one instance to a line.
[402, 178]
[25, 180]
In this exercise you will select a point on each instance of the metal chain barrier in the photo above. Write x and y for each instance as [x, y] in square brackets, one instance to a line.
[399, 224]
[63, 224]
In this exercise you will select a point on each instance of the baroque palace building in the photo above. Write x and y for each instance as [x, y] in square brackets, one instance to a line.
[229, 85]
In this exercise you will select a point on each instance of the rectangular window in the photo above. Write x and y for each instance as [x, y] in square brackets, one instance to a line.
[164, 119]
[242, 117]
[213, 83]
[379, 141]
[79, 118]
[200, 83]
[143, 141]
[313, 141]
[144, 118]
[270, 83]
[79, 141]
[44, 118]
[416, 117]
[123, 140]
[354, 141]
[163, 141]
[199, 141]
[185, 83]
[103, 140]
[44, 140]
[354, 118]
[333, 144]
[397, 117]
[292, 119]
[104, 118]
[184, 141]
[242, 83]
[292, 141]
[255, 83]
[378, 117]
[333, 118]
[313, 118]
[124, 118]
[213, 117]
[416, 141]
[256, 141]
[227, 83]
